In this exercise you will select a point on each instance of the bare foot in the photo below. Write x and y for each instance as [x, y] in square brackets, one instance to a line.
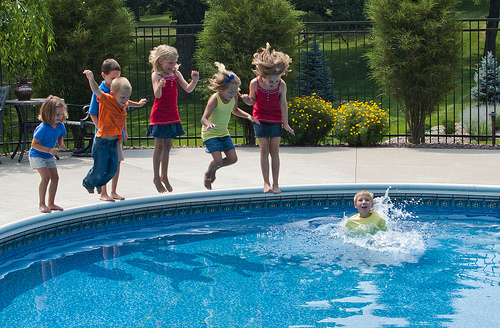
[44, 209]
[167, 185]
[267, 187]
[105, 198]
[207, 182]
[116, 196]
[54, 207]
[276, 189]
[159, 186]
[213, 176]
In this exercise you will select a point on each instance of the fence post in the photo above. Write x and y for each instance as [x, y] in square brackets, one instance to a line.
[493, 132]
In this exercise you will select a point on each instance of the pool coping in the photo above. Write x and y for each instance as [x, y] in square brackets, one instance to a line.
[233, 195]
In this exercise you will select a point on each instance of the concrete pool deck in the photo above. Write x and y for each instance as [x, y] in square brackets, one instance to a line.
[299, 166]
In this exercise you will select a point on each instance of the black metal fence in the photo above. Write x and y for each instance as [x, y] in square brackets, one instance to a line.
[343, 45]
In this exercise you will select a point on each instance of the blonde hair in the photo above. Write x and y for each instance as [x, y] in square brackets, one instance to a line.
[223, 79]
[121, 84]
[270, 62]
[363, 193]
[48, 109]
[161, 52]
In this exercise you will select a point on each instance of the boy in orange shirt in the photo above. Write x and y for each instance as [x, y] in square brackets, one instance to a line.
[112, 119]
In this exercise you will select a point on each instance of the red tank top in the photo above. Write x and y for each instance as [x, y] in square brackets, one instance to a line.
[165, 109]
[267, 105]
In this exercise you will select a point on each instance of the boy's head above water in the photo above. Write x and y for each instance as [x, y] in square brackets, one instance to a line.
[363, 202]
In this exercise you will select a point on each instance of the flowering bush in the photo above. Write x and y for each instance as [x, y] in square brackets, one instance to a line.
[360, 123]
[311, 118]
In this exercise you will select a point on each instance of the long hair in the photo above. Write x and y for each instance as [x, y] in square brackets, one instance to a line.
[270, 62]
[48, 109]
[223, 78]
[161, 52]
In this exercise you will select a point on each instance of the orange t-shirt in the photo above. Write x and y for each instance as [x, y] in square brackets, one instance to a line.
[112, 117]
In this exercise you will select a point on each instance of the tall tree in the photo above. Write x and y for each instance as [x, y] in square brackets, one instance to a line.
[86, 33]
[186, 12]
[414, 54]
[492, 28]
[235, 29]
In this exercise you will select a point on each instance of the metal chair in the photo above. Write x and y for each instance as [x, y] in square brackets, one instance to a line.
[4, 92]
[87, 128]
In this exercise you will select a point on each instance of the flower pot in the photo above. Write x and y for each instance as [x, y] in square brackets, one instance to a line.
[23, 91]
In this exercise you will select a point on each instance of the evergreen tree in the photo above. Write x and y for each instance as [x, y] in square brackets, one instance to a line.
[487, 77]
[315, 74]
[414, 54]
[86, 33]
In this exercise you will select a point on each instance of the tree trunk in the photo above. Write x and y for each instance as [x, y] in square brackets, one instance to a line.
[186, 45]
[415, 117]
[491, 28]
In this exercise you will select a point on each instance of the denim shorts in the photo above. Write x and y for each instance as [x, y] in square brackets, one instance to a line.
[267, 130]
[167, 131]
[218, 144]
[40, 162]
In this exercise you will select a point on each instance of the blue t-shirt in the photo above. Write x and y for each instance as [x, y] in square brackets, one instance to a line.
[94, 104]
[48, 138]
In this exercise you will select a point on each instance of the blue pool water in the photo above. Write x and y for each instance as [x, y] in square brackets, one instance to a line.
[275, 268]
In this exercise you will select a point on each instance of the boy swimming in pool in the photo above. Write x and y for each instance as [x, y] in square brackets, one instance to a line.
[367, 220]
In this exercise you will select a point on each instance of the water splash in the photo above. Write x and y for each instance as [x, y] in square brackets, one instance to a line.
[404, 234]
[323, 240]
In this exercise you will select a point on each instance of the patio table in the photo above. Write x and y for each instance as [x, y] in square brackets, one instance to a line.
[22, 107]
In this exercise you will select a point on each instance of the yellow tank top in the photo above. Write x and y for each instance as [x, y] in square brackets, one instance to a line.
[220, 116]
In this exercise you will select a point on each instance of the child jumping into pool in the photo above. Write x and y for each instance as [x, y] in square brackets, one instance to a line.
[215, 120]
[41, 155]
[367, 220]
[267, 95]
[165, 122]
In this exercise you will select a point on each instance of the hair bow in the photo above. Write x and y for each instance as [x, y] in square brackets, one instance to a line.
[231, 77]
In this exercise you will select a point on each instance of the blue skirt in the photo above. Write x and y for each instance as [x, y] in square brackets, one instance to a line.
[168, 131]
[218, 144]
[267, 130]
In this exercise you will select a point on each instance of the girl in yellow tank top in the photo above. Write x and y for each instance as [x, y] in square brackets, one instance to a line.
[215, 120]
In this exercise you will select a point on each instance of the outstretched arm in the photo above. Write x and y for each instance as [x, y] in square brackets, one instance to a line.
[139, 103]
[241, 113]
[93, 84]
[188, 87]
[250, 99]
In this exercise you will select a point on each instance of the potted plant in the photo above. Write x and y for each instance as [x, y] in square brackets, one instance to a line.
[25, 38]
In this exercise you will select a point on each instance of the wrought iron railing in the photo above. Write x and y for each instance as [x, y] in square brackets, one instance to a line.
[343, 45]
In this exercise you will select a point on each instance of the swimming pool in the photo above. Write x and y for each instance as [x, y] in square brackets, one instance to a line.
[241, 259]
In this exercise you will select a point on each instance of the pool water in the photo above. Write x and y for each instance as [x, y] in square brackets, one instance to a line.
[276, 268]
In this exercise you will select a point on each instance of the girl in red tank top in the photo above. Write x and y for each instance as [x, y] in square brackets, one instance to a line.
[267, 95]
[165, 122]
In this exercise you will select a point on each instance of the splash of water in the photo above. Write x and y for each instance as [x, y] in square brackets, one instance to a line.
[323, 240]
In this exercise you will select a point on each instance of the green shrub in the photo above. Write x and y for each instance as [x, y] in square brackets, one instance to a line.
[360, 123]
[449, 126]
[311, 118]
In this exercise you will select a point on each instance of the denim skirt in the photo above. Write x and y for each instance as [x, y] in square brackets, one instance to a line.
[267, 130]
[167, 131]
[218, 144]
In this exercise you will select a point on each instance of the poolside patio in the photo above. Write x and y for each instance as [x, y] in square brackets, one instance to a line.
[299, 166]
